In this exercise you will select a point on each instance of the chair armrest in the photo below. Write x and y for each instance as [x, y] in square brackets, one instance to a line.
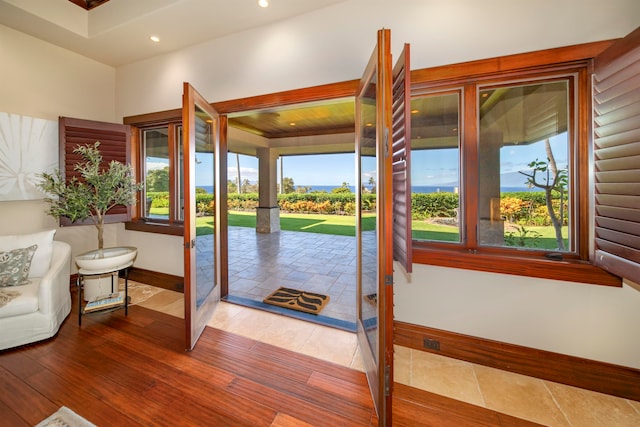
[54, 285]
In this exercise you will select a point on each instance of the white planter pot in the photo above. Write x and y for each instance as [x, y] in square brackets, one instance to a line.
[95, 286]
[98, 266]
[106, 259]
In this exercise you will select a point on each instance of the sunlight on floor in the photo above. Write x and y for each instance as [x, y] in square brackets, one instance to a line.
[536, 400]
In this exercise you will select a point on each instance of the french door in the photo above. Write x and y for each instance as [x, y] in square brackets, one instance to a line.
[204, 156]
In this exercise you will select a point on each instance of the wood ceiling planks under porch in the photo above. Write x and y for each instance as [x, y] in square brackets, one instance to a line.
[133, 370]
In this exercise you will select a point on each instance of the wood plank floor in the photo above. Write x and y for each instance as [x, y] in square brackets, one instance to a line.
[132, 371]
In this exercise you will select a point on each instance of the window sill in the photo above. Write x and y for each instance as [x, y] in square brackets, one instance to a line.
[155, 227]
[567, 270]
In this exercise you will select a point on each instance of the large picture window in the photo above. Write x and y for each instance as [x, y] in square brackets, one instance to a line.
[519, 179]
[500, 171]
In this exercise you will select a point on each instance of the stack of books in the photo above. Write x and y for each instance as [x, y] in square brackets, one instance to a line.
[105, 301]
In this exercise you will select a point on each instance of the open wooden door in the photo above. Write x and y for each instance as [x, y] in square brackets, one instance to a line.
[204, 165]
[375, 247]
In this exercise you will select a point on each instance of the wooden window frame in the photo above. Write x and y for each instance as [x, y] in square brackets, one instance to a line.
[578, 57]
[568, 61]
[138, 222]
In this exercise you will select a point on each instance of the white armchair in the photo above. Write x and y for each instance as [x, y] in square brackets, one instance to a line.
[34, 311]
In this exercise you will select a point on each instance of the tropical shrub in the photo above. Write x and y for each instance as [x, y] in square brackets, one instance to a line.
[434, 205]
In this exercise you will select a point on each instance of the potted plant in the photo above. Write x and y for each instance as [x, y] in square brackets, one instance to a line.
[99, 189]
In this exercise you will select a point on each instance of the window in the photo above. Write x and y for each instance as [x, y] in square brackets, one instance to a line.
[500, 168]
[435, 172]
[522, 188]
[157, 157]
[524, 175]
[162, 171]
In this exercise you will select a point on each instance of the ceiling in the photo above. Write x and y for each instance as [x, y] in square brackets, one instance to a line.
[116, 32]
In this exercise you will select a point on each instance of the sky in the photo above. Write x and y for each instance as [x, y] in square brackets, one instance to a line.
[429, 167]
[308, 170]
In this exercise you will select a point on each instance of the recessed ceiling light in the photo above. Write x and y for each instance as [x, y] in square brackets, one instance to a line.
[263, 3]
[292, 124]
[154, 39]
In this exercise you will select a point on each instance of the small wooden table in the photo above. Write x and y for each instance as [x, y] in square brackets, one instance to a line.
[80, 284]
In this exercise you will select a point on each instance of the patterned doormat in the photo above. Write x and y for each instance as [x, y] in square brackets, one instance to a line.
[295, 299]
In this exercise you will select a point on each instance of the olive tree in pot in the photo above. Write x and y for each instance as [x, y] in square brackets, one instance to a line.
[100, 188]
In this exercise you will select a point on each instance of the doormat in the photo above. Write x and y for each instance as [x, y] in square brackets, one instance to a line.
[372, 299]
[295, 299]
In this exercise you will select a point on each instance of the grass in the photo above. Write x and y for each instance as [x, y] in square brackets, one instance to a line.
[342, 225]
[546, 238]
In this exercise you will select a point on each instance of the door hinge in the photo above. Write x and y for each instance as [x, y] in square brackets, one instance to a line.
[387, 380]
[388, 279]
[190, 244]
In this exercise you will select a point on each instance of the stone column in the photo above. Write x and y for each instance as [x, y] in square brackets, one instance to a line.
[491, 229]
[268, 212]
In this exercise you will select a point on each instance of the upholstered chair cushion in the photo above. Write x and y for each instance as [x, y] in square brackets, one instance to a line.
[42, 258]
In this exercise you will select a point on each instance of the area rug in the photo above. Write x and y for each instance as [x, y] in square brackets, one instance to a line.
[139, 292]
[295, 299]
[65, 417]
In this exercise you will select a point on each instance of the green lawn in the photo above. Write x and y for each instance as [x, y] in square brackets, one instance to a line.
[546, 238]
[342, 225]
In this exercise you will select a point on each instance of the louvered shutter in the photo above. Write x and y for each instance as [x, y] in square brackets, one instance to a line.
[616, 116]
[114, 145]
[401, 137]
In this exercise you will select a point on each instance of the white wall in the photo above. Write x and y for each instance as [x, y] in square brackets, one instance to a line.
[333, 45]
[589, 321]
[43, 81]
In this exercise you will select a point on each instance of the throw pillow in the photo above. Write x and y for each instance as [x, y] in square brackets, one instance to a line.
[42, 258]
[14, 266]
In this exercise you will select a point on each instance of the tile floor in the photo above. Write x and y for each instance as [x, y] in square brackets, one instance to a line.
[529, 398]
[261, 263]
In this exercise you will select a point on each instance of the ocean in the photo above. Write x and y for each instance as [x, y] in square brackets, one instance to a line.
[414, 189]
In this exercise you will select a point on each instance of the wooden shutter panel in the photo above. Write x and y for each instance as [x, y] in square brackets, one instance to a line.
[401, 137]
[114, 145]
[616, 116]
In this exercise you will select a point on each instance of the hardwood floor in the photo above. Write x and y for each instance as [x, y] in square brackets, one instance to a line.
[130, 371]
